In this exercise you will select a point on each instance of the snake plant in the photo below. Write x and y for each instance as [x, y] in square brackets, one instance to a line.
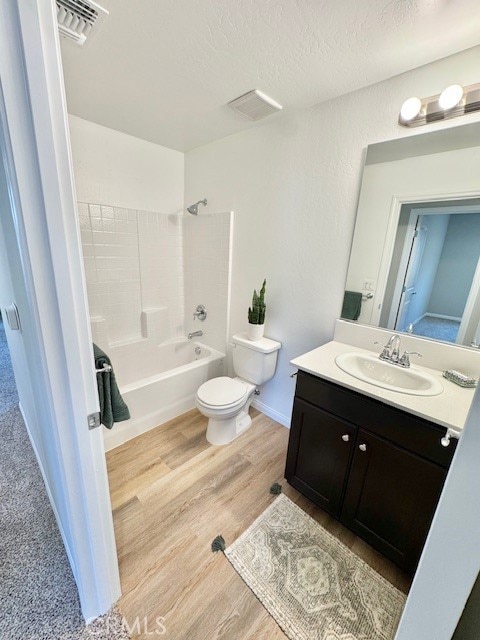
[256, 313]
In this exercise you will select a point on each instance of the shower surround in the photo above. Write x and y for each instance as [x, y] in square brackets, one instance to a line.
[146, 272]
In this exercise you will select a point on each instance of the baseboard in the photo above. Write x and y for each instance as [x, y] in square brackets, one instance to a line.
[442, 316]
[417, 320]
[49, 494]
[271, 413]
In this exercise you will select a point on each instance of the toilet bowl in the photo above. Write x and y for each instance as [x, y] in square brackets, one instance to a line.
[225, 401]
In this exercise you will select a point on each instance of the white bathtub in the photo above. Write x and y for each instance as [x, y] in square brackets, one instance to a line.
[159, 383]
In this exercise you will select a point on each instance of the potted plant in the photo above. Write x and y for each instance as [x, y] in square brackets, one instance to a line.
[256, 314]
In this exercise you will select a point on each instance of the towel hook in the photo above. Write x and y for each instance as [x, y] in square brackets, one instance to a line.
[107, 368]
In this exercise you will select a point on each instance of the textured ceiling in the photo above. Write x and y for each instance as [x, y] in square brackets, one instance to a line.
[163, 70]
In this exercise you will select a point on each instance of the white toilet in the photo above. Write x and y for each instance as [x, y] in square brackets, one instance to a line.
[226, 401]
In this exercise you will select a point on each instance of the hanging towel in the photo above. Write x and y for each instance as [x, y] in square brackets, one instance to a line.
[112, 406]
[352, 305]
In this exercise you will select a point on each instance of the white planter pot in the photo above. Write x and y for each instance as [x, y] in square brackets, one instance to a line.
[255, 331]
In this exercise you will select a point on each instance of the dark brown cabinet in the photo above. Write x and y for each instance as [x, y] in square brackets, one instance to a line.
[377, 469]
[391, 497]
[321, 477]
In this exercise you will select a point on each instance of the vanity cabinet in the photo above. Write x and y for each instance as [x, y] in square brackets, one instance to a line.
[378, 469]
[321, 477]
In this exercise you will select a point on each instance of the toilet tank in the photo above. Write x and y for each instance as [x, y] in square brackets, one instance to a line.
[254, 360]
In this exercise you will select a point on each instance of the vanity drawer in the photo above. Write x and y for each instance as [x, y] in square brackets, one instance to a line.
[414, 434]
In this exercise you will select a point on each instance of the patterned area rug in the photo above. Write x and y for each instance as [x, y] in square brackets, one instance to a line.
[314, 587]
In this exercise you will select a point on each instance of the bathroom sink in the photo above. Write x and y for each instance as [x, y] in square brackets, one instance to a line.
[390, 376]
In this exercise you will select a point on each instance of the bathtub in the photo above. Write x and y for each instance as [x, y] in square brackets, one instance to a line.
[159, 383]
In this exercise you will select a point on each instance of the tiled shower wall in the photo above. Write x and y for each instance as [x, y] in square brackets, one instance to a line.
[133, 263]
[147, 271]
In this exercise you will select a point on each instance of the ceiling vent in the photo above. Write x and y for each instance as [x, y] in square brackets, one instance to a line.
[255, 105]
[76, 18]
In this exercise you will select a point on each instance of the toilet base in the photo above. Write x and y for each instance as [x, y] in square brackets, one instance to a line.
[221, 432]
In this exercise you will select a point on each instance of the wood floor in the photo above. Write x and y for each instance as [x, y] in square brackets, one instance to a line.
[172, 493]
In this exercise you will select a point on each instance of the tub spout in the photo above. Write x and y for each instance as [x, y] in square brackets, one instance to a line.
[195, 334]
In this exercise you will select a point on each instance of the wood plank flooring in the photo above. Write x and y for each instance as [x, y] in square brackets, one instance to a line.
[172, 493]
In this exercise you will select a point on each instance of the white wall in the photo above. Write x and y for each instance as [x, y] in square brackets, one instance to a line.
[116, 169]
[436, 228]
[293, 183]
[457, 265]
[10, 291]
[450, 560]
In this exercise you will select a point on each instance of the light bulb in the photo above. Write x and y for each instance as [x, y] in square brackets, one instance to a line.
[450, 97]
[410, 109]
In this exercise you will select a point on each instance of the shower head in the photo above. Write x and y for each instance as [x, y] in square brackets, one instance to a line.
[193, 208]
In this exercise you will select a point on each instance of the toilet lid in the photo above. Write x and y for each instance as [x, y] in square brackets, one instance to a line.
[221, 391]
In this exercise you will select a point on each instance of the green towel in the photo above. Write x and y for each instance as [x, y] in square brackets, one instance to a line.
[112, 407]
[352, 305]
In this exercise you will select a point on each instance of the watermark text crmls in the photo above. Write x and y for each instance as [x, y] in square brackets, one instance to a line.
[131, 626]
[144, 626]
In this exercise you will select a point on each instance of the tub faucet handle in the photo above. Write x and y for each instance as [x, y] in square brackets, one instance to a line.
[200, 313]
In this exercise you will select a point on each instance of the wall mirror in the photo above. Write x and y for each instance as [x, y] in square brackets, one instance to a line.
[415, 260]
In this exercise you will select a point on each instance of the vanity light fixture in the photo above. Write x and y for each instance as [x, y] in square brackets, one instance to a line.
[452, 102]
[410, 109]
[450, 97]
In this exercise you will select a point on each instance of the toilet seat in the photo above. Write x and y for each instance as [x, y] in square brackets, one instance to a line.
[222, 392]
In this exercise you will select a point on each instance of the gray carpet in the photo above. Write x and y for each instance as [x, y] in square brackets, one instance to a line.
[437, 328]
[38, 596]
[8, 391]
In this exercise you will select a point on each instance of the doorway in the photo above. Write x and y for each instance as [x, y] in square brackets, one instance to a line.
[37, 589]
[437, 290]
[52, 354]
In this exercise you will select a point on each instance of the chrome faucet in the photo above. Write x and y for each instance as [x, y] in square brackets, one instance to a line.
[195, 334]
[391, 351]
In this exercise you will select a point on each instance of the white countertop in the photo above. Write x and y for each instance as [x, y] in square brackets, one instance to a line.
[449, 408]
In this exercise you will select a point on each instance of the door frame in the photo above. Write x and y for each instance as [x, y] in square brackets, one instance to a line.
[35, 149]
[406, 264]
[470, 306]
[390, 236]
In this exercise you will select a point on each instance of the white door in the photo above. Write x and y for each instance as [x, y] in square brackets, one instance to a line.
[405, 316]
[55, 340]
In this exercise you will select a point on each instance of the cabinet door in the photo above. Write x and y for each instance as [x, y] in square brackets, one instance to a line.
[319, 454]
[391, 497]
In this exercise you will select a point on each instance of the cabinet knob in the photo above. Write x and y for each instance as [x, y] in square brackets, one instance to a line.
[362, 447]
[345, 437]
[445, 442]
